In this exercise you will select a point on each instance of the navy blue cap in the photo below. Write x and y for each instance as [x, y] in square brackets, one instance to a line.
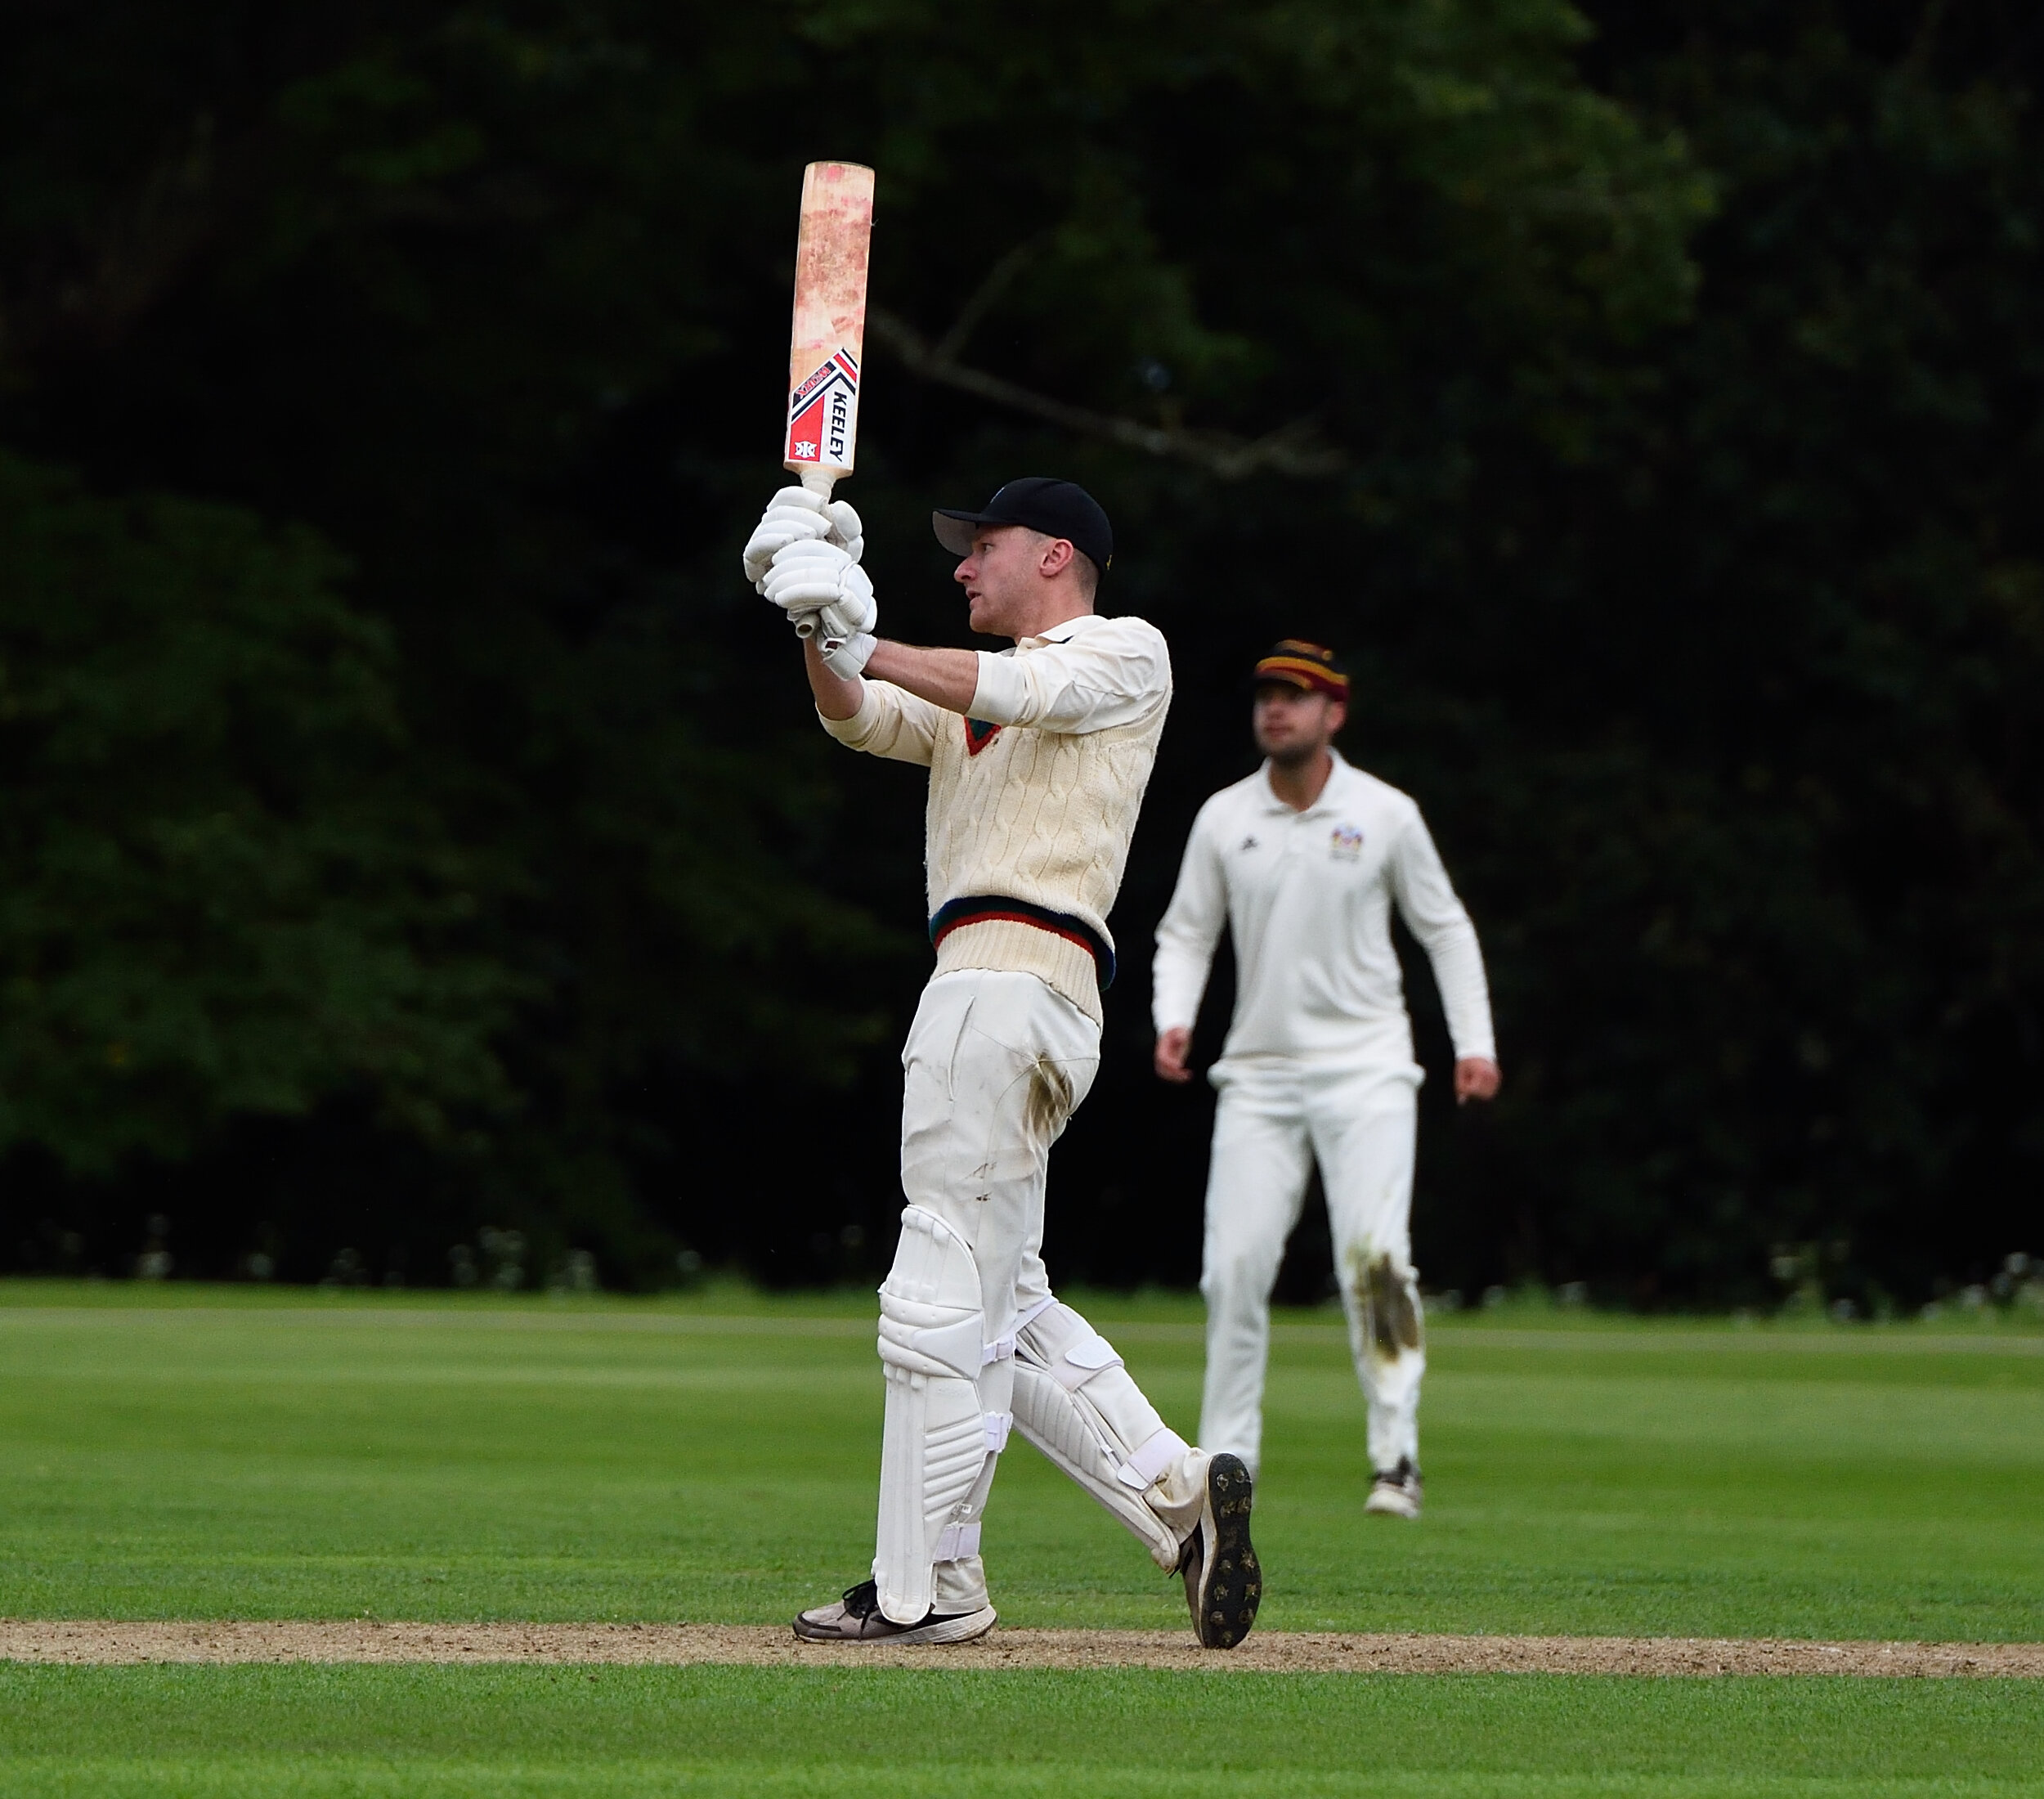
[1057, 508]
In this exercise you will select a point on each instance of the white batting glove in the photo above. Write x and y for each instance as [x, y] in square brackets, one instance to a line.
[795, 515]
[814, 577]
[847, 618]
[847, 661]
[792, 516]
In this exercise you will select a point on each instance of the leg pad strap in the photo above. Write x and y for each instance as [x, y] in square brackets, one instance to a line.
[955, 1542]
[1151, 1458]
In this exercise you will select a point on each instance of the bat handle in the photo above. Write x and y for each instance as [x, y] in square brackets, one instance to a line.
[819, 482]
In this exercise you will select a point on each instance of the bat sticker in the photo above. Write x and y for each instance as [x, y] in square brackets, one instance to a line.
[823, 414]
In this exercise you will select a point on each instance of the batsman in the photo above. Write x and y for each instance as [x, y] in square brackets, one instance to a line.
[1038, 759]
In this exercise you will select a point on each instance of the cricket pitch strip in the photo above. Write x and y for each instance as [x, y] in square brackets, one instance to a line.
[101, 1642]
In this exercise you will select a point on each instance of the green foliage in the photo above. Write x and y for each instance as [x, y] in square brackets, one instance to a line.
[1670, 376]
[493, 300]
[219, 899]
[1793, 873]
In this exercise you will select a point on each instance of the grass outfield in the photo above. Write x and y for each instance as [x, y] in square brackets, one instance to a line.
[106, 1733]
[176, 1453]
[603, 1461]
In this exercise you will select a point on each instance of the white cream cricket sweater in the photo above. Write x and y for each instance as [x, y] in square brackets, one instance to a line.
[1035, 797]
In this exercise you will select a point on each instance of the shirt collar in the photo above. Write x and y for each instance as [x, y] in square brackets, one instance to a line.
[1064, 633]
[1328, 800]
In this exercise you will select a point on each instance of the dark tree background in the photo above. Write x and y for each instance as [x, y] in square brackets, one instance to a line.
[412, 835]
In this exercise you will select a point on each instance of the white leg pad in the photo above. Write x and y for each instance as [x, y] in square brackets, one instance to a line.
[949, 1407]
[1076, 1402]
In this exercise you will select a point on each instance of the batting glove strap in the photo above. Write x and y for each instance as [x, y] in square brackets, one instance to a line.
[848, 660]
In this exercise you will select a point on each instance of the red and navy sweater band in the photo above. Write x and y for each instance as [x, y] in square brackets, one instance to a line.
[979, 908]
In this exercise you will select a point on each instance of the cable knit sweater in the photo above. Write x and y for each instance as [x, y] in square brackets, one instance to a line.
[1035, 796]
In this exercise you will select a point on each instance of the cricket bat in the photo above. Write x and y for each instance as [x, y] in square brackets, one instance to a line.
[827, 336]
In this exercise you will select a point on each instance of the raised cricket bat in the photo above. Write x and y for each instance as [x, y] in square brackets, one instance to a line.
[828, 335]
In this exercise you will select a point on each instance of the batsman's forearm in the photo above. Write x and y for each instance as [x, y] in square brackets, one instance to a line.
[835, 698]
[948, 678]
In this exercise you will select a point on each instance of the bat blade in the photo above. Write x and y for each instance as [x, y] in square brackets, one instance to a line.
[827, 338]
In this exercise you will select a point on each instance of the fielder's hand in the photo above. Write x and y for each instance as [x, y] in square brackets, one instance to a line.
[1477, 1077]
[793, 516]
[1173, 1046]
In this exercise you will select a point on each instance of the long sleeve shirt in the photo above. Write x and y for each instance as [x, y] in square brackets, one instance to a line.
[1308, 896]
[1034, 797]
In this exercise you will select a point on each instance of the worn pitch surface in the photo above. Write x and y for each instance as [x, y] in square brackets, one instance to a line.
[96, 1642]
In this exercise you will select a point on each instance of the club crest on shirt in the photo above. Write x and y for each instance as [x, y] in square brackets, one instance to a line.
[1246, 844]
[979, 734]
[1346, 843]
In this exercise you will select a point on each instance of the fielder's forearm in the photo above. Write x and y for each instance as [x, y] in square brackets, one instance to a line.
[1465, 993]
[1188, 932]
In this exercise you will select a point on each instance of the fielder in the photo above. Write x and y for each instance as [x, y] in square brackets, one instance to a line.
[1038, 757]
[1303, 862]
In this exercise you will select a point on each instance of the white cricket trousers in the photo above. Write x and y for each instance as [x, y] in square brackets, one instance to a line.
[995, 1065]
[1276, 1118]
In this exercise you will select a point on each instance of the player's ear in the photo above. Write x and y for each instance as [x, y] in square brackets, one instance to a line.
[1337, 716]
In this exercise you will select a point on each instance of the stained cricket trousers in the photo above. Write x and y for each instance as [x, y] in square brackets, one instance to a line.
[995, 1065]
[1276, 1117]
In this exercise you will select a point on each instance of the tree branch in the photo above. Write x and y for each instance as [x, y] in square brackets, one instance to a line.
[1293, 449]
[93, 289]
[997, 283]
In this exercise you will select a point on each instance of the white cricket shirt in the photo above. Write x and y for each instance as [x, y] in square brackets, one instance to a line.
[1309, 896]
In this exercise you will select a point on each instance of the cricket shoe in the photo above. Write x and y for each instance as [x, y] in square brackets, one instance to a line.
[1396, 1494]
[858, 1618]
[1224, 1580]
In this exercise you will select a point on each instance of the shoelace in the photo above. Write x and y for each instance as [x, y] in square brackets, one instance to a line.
[863, 1600]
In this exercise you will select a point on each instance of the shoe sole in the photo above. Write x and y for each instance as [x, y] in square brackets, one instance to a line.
[964, 1628]
[1232, 1578]
[1391, 1505]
